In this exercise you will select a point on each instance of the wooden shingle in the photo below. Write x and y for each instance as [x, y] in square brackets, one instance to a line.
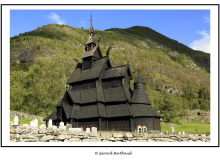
[143, 110]
[88, 74]
[118, 110]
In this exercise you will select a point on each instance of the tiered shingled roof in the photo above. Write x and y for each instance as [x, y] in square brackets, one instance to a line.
[118, 110]
[113, 99]
[143, 110]
[139, 96]
[93, 73]
[114, 72]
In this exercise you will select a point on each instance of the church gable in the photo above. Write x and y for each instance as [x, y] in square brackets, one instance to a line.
[95, 51]
[67, 99]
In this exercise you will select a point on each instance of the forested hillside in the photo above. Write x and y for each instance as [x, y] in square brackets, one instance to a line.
[177, 78]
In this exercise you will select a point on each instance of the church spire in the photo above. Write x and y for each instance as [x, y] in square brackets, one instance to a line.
[91, 29]
[91, 38]
[91, 19]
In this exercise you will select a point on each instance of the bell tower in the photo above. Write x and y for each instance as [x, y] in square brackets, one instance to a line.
[91, 42]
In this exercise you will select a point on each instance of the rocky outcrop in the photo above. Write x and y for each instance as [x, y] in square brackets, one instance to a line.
[25, 115]
[170, 89]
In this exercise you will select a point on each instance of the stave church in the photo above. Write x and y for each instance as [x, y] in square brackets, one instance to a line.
[99, 95]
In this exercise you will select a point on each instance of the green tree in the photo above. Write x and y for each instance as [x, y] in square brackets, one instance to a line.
[171, 109]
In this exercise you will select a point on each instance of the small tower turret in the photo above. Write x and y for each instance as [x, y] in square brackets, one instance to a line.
[139, 95]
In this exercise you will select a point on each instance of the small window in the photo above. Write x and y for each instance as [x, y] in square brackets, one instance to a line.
[111, 83]
[88, 47]
[87, 62]
[83, 85]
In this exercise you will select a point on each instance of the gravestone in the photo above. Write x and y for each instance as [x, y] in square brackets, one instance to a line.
[43, 126]
[139, 129]
[68, 126]
[144, 129]
[88, 130]
[36, 122]
[25, 125]
[183, 133]
[75, 129]
[172, 130]
[94, 129]
[62, 125]
[161, 133]
[179, 133]
[50, 123]
[33, 124]
[54, 127]
[166, 132]
[16, 121]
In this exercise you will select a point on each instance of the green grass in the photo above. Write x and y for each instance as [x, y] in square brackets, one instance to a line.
[27, 121]
[187, 127]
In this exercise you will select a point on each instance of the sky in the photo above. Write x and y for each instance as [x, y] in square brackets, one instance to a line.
[189, 27]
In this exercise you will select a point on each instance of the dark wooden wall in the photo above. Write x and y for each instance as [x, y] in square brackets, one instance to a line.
[144, 121]
[111, 83]
[88, 123]
[119, 124]
[83, 85]
[157, 124]
[87, 62]
[127, 81]
[103, 124]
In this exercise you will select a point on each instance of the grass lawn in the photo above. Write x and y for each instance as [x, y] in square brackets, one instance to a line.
[27, 121]
[187, 127]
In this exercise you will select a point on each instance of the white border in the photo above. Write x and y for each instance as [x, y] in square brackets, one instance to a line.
[6, 71]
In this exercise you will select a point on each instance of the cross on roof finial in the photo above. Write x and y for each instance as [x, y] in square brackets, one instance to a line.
[139, 71]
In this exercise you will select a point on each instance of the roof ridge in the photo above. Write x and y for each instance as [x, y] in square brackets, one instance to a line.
[117, 67]
[98, 109]
[123, 88]
[129, 109]
[99, 59]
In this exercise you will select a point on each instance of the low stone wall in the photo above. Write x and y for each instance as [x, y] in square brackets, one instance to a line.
[24, 115]
[38, 134]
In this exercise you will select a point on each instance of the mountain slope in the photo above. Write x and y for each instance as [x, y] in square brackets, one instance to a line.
[202, 59]
[43, 59]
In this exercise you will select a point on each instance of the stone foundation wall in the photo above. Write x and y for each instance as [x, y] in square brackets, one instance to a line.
[37, 134]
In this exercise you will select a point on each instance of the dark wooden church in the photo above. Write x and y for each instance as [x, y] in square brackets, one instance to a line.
[99, 95]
